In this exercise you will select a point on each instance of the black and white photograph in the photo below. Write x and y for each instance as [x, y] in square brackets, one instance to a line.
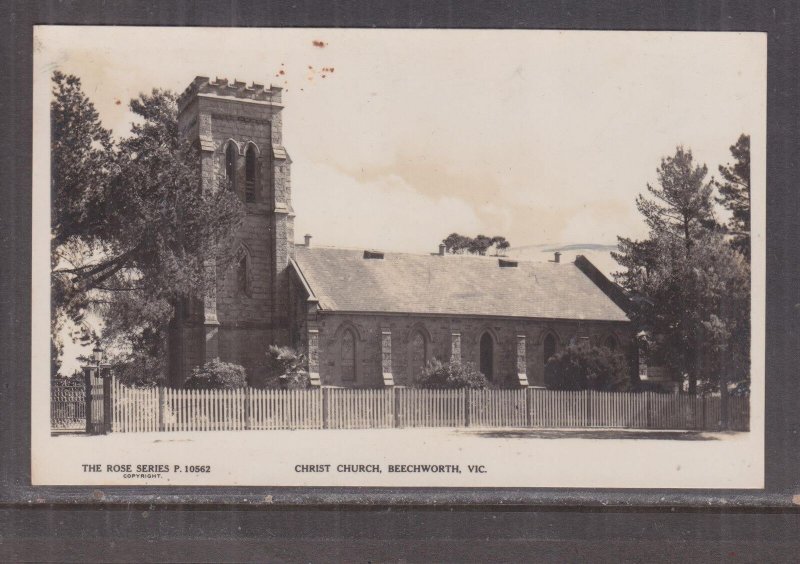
[406, 258]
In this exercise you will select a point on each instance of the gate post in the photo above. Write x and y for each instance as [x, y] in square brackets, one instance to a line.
[108, 400]
[87, 374]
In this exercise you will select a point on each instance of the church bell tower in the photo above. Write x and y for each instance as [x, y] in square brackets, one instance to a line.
[237, 129]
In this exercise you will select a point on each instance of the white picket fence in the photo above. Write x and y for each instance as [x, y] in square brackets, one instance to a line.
[430, 408]
[498, 408]
[164, 409]
[364, 409]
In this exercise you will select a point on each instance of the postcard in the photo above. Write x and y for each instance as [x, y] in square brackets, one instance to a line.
[406, 258]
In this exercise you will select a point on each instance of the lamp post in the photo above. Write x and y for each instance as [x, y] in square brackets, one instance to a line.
[97, 355]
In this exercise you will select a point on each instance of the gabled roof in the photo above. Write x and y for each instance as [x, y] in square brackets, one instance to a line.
[343, 280]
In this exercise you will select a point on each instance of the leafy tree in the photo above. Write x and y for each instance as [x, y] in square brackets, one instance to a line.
[287, 368]
[582, 368]
[500, 244]
[458, 244]
[690, 287]
[452, 375]
[132, 225]
[216, 375]
[734, 193]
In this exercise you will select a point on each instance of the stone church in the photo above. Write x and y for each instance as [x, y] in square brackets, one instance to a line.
[366, 318]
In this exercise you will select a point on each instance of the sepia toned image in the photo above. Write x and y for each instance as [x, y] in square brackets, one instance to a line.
[416, 258]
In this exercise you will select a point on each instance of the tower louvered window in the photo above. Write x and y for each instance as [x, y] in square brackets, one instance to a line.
[230, 166]
[250, 175]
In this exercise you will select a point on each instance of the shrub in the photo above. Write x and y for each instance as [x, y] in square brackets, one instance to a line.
[438, 375]
[137, 370]
[287, 368]
[216, 375]
[580, 368]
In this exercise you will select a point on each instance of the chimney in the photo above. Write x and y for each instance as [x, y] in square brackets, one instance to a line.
[308, 240]
[557, 257]
[442, 248]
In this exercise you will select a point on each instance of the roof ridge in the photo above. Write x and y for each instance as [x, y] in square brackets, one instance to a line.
[448, 256]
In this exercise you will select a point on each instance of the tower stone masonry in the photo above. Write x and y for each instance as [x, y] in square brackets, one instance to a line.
[237, 129]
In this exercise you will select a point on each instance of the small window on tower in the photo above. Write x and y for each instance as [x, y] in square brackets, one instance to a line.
[242, 283]
[250, 174]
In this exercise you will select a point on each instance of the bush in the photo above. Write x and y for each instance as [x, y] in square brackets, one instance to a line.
[137, 370]
[580, 368]
[453, 375]
[287, 368]
[216, 375]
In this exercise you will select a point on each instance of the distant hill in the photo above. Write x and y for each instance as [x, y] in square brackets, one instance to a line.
[599, 254]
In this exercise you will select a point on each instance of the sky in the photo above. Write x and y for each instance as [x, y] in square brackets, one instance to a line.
[544, 137]
[540, 136]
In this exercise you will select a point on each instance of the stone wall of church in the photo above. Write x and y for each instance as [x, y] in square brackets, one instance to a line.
[438, 335]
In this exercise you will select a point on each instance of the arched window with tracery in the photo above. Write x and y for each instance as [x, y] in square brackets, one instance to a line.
[230, 165]
[487, 356]
[251, 162]
[417, 356]
[348, 355]
[549, 347]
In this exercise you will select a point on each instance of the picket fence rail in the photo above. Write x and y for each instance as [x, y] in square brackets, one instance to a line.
[165, 409]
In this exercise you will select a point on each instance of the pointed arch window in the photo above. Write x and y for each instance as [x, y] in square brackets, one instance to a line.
[230, 165]
[348, 356]
[242, 275]
[242, 278]
[610, 343]
[251, 162]
[487, 356]
[417, 355]
[549, 347]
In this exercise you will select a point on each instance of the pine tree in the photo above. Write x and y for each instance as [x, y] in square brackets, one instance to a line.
[735, 194]
[690, 288]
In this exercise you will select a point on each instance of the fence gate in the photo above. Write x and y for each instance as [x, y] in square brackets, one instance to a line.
[98, 400]
[68, 406]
